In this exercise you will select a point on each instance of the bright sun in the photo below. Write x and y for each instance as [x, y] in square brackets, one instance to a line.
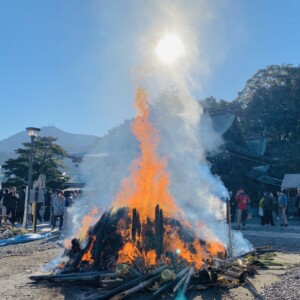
[169, 48]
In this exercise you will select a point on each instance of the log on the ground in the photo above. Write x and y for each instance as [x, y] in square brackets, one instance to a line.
[87, 276]
[169, 284]
[136, 288]
[126, 285]
[186, 283]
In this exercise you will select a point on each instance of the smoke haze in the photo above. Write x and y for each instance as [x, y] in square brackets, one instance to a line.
[185, 133]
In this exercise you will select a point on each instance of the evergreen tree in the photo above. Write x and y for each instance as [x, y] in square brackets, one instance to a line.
[47, 159]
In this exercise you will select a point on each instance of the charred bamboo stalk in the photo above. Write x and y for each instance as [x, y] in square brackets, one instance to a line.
[236, 269]
[157, 231]
[110, 281]
[234, 274]
[99, 239]
[135, 289]
[180, 283]
[72, 276]
[92, 232]
[251, 288]
[92, 279]
[161, 232]
[127, 285]
[169, 284]
[124, 269]
[133, 225]
[187, 282]
[265, 249]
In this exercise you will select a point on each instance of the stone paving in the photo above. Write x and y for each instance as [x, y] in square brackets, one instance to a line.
[281, 238]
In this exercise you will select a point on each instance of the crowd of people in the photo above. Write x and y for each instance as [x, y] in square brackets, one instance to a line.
[51, 205]
[270, 207]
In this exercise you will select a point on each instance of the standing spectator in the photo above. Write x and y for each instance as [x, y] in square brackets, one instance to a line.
[59, 202]
[38, 201]
[69, 202]
[282, 206]
[3, 194]
[10, 202]
[261, 209]
[1, 205]
[21, 205]
[242, 200]
[75, 195]
[268, 209]
[70, 199]
[47, 204]
[297, 203]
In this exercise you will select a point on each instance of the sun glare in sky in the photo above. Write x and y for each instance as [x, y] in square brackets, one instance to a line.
[169, 48]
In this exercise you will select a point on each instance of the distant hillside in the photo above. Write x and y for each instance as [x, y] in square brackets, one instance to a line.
[72, 143]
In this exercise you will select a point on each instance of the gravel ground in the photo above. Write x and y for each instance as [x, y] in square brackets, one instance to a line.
[287, 287]
[281, 245]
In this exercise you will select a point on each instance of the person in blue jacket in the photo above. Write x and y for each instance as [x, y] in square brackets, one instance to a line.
[282, 206]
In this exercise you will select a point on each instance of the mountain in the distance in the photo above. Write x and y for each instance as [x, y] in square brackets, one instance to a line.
[72, 143]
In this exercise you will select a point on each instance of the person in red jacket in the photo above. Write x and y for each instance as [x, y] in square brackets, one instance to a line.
[242, 200]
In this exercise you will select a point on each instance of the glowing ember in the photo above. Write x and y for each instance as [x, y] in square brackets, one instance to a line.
[87, 255]
[215, 248]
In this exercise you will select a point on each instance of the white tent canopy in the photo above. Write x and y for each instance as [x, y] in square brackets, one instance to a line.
[291, 181]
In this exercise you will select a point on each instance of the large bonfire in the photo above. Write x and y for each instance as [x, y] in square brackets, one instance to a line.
[144, 228]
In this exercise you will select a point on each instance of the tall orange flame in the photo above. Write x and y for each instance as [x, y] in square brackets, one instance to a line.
[148, 184]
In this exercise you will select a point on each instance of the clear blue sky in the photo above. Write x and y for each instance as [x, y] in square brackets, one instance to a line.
[67, 62]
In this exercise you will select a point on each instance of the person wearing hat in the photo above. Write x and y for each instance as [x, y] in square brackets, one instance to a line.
[282, 206]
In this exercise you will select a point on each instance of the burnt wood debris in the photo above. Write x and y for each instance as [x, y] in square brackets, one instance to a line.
[117, 280]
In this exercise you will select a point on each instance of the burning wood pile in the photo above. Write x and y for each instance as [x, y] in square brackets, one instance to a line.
[122, 256]
[146, 241]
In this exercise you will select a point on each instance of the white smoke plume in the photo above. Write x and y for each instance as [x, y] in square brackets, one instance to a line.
[185, 134]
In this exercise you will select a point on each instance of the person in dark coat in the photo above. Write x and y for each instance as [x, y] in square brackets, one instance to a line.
[70, 199]
[58, 204]
[47, 204]
[10, 202]
[21, 205]
[38, 204]
[268, 209]
[297, 202]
